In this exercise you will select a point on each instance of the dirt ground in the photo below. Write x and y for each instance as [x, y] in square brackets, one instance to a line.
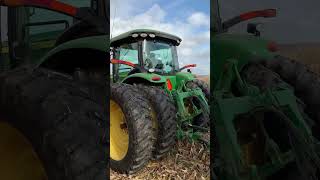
[205, 78]
[186, 161]
[307, 53]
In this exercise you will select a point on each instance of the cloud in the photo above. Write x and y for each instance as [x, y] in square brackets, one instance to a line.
[195, 34]
[126, 8]
[199, 19]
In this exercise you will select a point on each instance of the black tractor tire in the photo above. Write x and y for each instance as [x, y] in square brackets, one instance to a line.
[202, 120]
[197, 83]
[65, 126]
[305, 84]
[166, 120]
[137, 113]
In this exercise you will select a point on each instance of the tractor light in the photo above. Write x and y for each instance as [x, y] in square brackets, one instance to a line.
[169, 85]
[272, 47]
[144, 35]
[156, 78]
[151, 70]
[135, 35]
[152, 35]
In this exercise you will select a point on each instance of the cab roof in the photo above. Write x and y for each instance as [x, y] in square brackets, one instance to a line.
[158, 35]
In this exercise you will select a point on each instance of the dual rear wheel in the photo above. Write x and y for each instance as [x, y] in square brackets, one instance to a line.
[142, 126]
[51, 127]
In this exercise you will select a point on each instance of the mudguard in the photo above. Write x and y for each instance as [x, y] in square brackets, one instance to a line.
[244, 48]
[184, 76]
[99, 43]
[144, 77]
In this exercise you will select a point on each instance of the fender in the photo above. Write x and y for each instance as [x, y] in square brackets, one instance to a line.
[184, 76]
[244, 48]
[145, 77]
[93, 42]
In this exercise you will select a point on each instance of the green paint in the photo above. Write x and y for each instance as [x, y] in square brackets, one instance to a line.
[233, 98]
[92, 42]
[159, 54]
[37, 40]
[241, 47]
[146, 77]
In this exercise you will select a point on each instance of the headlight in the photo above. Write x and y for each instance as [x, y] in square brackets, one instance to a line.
[135, 35]
[152, 35]
[143, 35]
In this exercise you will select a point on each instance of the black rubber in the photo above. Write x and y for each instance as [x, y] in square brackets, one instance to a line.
[166, 112]
[305, 82]
[293, 74]
[202, 85]
[66, 127]
[202, 120]
[139, 123]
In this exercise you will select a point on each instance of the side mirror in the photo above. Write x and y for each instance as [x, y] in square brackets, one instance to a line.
[254, 28]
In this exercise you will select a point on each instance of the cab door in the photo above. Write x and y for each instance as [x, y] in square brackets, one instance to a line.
[33, 31]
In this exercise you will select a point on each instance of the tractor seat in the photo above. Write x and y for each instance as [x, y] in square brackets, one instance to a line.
[89, 26]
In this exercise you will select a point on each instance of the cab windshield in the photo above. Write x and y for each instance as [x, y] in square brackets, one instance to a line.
[161, 56]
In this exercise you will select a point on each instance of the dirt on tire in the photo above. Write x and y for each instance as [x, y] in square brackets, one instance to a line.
[166, 119]
[296, 76]
[65, 125]
[139, 126]
[202, 120]
[202, 85]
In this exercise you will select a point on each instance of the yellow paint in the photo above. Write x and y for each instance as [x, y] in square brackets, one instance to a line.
[4, 50]
[18, 160]
[119, 137]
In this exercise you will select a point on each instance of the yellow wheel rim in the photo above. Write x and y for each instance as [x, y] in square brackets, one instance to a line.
[18, 160]
[119, 137]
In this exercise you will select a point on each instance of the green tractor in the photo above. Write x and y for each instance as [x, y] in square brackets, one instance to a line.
[152, 101]
[53, 89]
[265, 107]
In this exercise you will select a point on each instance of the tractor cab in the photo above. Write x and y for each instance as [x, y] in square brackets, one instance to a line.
[148, 50]
[31, 29]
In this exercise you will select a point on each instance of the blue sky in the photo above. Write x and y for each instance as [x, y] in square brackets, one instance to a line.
[189, 19]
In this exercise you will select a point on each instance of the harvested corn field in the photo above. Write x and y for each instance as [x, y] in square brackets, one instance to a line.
[185, 161]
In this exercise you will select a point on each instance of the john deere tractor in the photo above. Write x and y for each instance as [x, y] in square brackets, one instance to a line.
[152, 100]
[53, 89]
[265, 106]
